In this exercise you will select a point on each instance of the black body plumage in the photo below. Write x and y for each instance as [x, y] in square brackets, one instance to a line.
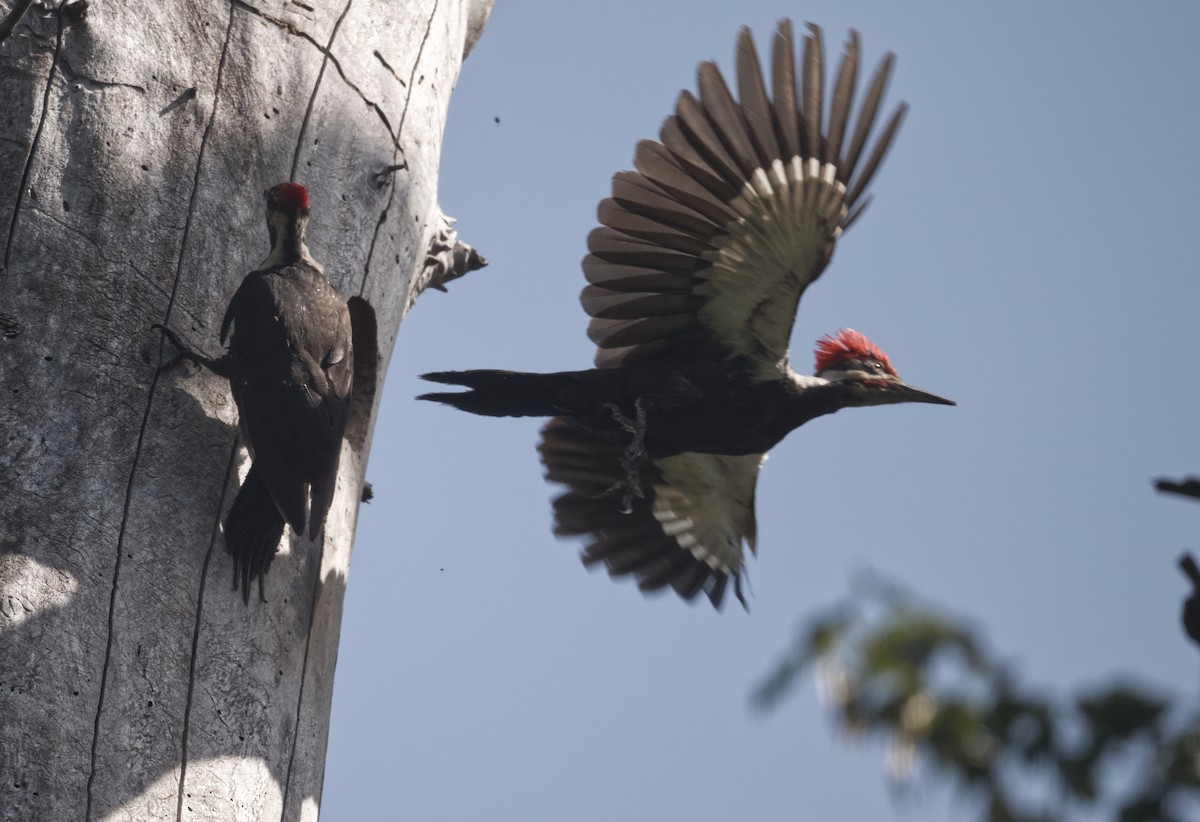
[290, 366]
[694, 276]
[702, 407]
[290, 369]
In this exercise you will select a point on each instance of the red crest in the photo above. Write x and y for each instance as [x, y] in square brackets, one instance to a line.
[292, 197]
[848, 344]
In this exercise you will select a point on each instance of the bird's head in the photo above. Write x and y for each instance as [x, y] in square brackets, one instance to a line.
[851, 361]
[290, 198]
[287, 219]
[287, 204]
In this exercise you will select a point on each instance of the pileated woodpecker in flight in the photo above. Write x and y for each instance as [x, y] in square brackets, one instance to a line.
[290, 365]
[694, 277]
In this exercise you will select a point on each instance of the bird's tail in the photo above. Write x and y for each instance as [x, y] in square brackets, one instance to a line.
[252, 533]
[504, 393]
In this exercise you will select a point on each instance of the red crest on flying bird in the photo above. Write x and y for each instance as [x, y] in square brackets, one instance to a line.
[291, 197]
[848, 344]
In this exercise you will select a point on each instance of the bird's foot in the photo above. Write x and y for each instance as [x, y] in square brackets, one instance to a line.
[629, 488]
[636, 426]
[635, 452]
[182, 352]
[633, 488]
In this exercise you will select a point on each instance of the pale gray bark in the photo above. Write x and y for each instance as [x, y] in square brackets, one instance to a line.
[135, 144]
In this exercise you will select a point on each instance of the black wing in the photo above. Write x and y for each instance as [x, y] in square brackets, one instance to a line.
[705, 250]
[687, 531]
[293, 368]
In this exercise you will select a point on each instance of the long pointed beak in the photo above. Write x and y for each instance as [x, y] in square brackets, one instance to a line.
[910, 394]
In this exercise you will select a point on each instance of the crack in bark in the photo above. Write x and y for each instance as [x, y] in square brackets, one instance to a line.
[14, 16]
[230, 471]
[73, 230]
[390, 70]
[142, 435]
[37, 136]
[312, 610]
[403, 115]
[58, 64]
[212, 116]
[312, 98]
[312, 607]
[290, 29]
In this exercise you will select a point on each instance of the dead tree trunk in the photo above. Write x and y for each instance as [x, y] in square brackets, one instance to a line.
[135, 142]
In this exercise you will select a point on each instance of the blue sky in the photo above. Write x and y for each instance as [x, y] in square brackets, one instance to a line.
[1031, 253]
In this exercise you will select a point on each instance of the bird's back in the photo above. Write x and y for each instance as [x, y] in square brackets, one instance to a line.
[292, 360]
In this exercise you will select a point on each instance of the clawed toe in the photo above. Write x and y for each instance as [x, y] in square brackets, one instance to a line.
[185, 353]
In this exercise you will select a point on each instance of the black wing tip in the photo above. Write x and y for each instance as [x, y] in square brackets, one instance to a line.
[656, 567]
[720, 584]
[629, 546]
[713, 584]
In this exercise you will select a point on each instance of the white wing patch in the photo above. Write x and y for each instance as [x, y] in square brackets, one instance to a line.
[787, 217]
[706, 502]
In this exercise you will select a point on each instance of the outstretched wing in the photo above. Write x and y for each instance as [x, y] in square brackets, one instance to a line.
[688, 529]
[704, 251]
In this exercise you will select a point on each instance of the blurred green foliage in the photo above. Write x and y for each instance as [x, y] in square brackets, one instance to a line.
[891, 667]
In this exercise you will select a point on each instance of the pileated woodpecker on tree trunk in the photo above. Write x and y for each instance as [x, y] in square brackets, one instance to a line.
[694, 278]
[290, 366]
